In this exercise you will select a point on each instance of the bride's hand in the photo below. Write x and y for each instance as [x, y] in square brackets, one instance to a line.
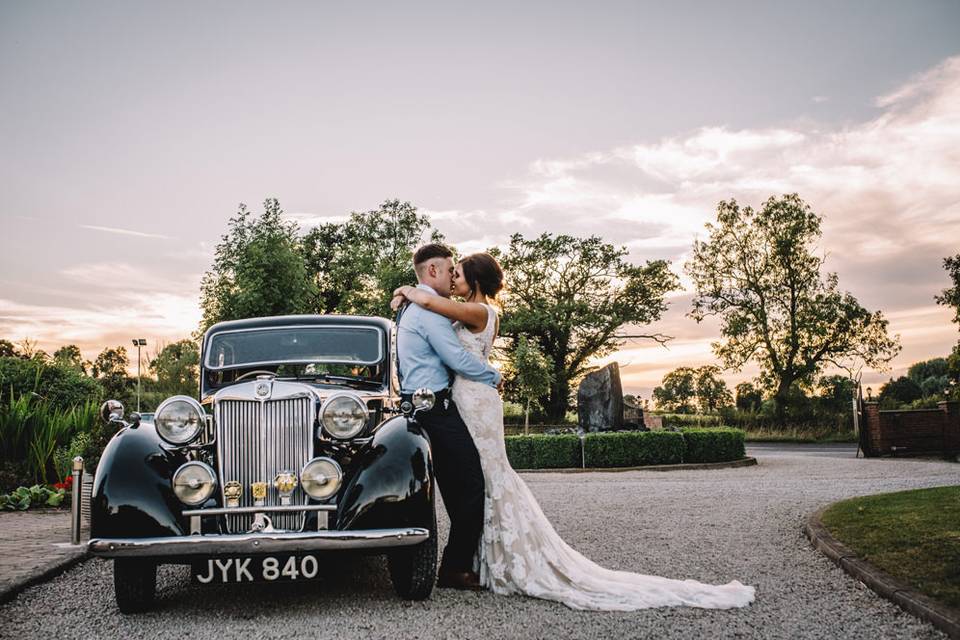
[397, 301]
[402, 291]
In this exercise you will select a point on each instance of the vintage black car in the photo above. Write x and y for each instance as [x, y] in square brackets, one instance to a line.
[298, 447]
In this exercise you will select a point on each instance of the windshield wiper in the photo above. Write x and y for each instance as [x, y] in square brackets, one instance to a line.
[328, 378]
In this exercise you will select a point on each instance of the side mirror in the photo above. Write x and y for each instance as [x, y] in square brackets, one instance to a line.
[111, 411]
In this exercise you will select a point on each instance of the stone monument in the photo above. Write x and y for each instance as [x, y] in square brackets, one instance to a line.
[600, 400]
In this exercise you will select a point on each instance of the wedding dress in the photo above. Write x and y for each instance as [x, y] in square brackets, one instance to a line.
[520, 553]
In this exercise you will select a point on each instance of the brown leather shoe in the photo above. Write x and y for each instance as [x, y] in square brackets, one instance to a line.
[464, 580]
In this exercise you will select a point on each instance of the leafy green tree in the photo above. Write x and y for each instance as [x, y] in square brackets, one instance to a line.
[532, 375]
[934, 385]
[356, 265]
[110, 369]
[749, 398]
[677, 391]
[950, 297]
[8, 349]
[573, 297]
[70, 356]
[711, 390]
[258, 270]
[920, 371]
[62, 386]
[900, 391]
[177, 368]
[836, 393]
[759, 272]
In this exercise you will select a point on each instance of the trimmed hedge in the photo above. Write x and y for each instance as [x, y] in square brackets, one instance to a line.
[543, 451]
[714, 445]
[632, 448]
[625, 448]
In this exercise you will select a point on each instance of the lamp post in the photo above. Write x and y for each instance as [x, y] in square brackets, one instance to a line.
[139, 342]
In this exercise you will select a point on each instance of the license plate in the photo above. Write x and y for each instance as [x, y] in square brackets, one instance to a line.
[255, 569]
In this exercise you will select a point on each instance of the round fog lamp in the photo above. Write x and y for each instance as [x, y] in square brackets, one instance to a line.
[320, 478]
[343, 415]
[193, 483]
[179, 419]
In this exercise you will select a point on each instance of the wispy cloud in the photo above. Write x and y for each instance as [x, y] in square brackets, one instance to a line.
[124, 232]
[888, 189]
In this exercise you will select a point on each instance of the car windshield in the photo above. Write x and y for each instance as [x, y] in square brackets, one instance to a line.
[351, 345]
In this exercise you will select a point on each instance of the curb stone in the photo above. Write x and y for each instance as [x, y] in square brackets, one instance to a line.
[42, 573]
[684, 466]
[943, 617]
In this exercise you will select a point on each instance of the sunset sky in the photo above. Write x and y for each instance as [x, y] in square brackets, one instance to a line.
[131, 131]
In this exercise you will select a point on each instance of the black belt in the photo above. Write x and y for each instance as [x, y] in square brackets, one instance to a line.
[443, 394]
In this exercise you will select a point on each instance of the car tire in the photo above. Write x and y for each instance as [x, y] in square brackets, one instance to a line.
[413, 570]
[135, 584]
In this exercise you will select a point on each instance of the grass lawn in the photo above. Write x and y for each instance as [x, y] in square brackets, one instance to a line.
[912, 535]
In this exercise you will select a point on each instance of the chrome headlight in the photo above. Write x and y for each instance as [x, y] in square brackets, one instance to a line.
[179, 420]
[193, 483]
[321, 477]
[343, 415]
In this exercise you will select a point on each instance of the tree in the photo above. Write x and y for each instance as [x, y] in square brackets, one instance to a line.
[920, 371]
[110, 368]
[8, 349]
[903, 390]
[70, 356]
[258, 270]
[177, 368]
[356, 265]
[950, 297]
[758, 272]
[532, 375]
[711, 390]
[749, 398]
[573, 296]
[836, 393]
[677, 391]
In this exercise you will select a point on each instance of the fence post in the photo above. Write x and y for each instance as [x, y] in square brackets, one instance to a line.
[75, 500]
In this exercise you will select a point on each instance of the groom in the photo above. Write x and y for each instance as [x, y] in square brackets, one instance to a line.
[429, 353]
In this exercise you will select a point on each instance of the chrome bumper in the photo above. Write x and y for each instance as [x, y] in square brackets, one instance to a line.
[255, 543]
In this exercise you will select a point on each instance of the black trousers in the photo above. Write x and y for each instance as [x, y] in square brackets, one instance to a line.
[456, 465]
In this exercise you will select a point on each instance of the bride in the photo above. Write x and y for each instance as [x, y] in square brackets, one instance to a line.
[519, 551]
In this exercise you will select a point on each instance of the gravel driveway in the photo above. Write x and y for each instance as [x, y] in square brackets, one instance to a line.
[713, 526]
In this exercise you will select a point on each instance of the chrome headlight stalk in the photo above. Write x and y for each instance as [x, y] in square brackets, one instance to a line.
[321, 478]
[193, 483]
[343, 415]
[179, 420]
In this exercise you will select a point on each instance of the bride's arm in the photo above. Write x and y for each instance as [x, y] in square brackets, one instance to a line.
[469, 313]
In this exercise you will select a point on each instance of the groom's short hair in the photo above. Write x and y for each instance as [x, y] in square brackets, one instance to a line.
[431, 251]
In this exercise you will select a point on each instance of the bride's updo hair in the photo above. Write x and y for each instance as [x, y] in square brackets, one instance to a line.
[482, 271]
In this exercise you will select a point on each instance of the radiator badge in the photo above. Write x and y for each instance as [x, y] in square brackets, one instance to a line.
[232, 491]
[259, 491]
[263, 389]
[285, 484]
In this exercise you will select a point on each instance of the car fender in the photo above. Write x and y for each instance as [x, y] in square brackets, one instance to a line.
[394, 485]
[132, 494]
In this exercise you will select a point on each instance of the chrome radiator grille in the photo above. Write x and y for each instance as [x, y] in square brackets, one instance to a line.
[255, 441]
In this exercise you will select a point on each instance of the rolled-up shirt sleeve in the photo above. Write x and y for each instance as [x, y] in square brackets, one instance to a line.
[439, 333]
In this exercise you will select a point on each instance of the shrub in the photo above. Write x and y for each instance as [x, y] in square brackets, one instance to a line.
[680, 420]
[31, 430]
[632, 448]
[714, 445]
[62, 386]
[543, 451]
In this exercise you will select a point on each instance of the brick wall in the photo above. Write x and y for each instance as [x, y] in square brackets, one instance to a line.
[911, 432]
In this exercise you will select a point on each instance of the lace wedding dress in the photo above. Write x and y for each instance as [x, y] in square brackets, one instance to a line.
[520, 553]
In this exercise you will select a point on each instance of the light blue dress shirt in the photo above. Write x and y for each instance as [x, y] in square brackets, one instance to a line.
[427, 345]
